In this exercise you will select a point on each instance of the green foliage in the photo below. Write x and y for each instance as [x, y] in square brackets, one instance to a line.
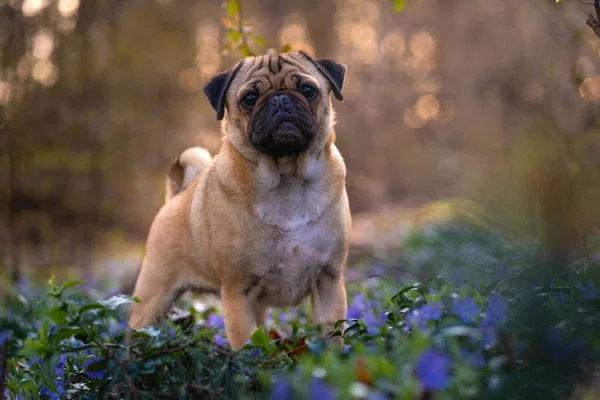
[517, 333]
[239, 33]
[399, 5]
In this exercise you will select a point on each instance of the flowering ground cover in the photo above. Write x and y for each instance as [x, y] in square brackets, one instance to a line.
[486, 320]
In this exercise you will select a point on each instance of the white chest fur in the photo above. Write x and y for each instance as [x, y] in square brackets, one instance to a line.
[294, 202]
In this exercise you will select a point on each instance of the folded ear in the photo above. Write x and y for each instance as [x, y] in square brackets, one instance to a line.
[333, 71]
[216, 88]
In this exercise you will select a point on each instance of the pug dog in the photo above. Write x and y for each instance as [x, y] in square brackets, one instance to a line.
[266, 222]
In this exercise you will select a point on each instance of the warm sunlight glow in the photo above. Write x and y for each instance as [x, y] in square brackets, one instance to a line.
[43, 44]
[68, 8]
[33, 7]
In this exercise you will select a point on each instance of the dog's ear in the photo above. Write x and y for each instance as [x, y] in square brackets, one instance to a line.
[216, 88]
[333, 71]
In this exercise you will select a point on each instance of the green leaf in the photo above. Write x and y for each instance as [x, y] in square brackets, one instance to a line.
[44, 331]
[399, 5]
[65, 333]
[234, 34]
[52, 281]
[260, 338]
[233, 7]
[286, 48]
[58, 315]
[259, 40]
[67, 285]
[116, 301]
[246, 52]
[33, 348]
[99, 365]
[91, 306]
[48, 372]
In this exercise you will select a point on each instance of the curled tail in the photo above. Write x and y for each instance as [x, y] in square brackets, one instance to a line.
[185, 167]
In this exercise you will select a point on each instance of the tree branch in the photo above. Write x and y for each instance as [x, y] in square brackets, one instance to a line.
[593, 22]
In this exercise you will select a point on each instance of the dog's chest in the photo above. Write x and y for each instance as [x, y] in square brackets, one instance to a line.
[298, 242]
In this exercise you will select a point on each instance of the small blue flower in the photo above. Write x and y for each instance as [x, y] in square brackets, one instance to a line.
[319, 390]
[475, 358]
[466, 309]
[44, 391]
[216, 321]
[490, 333]
[429, 312]
[432, 311]
[359, 305]
[352, 312]
[281, 389]
[3, 337]
[589, 291]
[378, 396]
[255, 352]
[496, 309]
[433, 370]
[220, 340]
[59, 368]
[98, 374]
[374, 322]
[289, 316]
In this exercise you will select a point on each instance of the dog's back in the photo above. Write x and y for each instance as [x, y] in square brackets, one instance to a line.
[185, 167]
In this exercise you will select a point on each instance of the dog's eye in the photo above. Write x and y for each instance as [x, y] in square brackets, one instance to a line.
[250, 100]
[308, 91]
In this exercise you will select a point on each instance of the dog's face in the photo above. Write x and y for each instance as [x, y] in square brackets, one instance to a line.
[277, 104]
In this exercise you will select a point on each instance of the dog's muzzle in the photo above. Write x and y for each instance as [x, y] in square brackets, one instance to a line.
[284, 126]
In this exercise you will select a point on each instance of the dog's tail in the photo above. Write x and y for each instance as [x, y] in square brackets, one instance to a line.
[185, 167]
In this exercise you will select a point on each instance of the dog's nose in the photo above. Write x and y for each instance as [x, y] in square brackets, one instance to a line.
[279, 101]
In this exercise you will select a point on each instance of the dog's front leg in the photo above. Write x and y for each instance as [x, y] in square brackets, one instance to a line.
[240, 313]
[328, 301]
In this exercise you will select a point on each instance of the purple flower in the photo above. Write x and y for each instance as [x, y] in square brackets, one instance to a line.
[374, 322]
[433, 370]
[59, 368]
[496, 309]
[319, 390]
[466, 309]
[490, 333]
[281, 389]
[475, 358]
[359, 305]
[378, 396]
[97, 374]
[432, 311]
[589, 291]
[216, 321]
[429, 312]
[352, 312]
[220, 340]
[45, 391]
[3, 338]
[255, 352]
[289, 316]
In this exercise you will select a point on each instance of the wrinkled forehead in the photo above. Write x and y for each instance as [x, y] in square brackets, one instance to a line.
[275, 72]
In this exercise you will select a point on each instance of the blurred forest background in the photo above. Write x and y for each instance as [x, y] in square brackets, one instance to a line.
[98, 98]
